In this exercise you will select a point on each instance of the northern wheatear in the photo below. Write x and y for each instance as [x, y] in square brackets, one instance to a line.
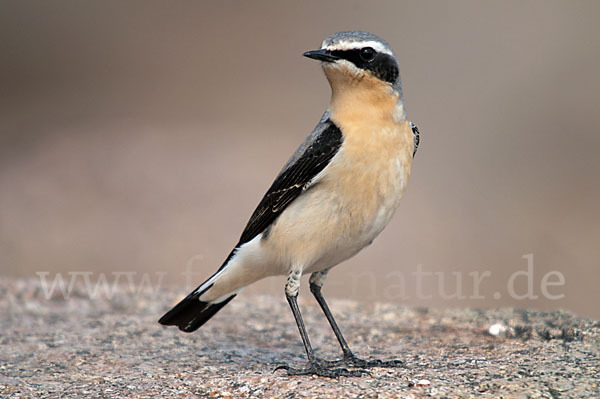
[331, 199]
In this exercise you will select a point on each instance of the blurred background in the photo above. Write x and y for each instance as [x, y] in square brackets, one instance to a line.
[139, 136]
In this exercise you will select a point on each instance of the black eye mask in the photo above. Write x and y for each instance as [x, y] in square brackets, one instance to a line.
[381, 65]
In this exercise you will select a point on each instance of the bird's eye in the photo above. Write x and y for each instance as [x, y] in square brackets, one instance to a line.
[367, 54]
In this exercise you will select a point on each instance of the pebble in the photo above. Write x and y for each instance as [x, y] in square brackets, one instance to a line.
[497, 329]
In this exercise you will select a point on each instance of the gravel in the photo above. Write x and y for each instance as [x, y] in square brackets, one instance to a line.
[113, 347]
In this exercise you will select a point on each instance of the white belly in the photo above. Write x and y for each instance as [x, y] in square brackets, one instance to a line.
[337, 218]
[352, 201]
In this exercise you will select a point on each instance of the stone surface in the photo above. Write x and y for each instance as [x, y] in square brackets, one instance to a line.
[113, 347]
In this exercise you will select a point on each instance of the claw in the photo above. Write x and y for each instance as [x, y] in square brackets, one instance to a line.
[353, 361]
[375, 363]
[321, 370]
[337, 368]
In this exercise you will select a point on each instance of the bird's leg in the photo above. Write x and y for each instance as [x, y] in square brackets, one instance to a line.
[314, 367]
[350, 360]
[316, 282]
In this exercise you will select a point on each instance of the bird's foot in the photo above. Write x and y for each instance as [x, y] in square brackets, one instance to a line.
[322, 369]
[350, 360]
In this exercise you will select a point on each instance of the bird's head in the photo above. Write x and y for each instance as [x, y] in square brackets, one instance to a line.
[353, 56]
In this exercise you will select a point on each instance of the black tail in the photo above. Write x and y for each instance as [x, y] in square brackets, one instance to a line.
[191, 313]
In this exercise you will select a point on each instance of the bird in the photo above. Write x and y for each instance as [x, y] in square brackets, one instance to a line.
[331, 199]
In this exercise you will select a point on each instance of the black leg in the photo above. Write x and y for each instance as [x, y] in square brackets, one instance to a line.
[349, 360]
[292, 300]
[314, 367]
[316, 291]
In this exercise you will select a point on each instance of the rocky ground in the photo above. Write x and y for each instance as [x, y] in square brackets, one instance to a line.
[113, 347]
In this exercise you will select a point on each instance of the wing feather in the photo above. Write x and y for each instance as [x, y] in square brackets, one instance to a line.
[308, 161]
[416, 137]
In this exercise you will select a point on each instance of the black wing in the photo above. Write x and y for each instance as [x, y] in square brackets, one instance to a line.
[298, 173]
[416, 137]
[308, 161]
